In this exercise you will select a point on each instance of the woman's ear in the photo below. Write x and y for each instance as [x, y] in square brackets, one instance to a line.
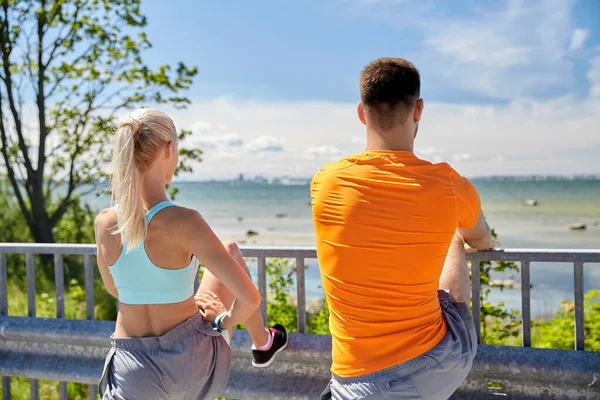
[169, 150]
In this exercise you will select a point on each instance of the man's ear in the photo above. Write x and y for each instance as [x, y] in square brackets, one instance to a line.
[418, 110]
[361, 113]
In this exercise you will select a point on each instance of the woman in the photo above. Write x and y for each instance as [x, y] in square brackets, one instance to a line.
[168, 343]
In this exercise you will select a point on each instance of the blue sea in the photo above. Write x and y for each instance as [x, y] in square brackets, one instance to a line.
[281, 215]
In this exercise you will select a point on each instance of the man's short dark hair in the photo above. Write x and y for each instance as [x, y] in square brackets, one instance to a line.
[389, 88]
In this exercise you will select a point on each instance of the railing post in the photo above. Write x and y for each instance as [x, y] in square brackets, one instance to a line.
[4, 311]
[59, 285]
[579, 317]
[30, 276]
[526, 303]
[34, 389]
[262, 287]
[476, 293]
[6, 388]
[88, 265]
[301, 295]
[92, 392]
[62, 391]
[3, 285]
[31, 311]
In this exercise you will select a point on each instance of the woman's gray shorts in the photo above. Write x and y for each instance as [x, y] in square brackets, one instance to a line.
[434, 375]
[191, 361]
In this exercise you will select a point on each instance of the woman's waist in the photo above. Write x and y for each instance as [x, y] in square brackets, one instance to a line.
[144, 320]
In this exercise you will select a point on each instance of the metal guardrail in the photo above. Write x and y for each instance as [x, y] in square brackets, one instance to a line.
[300, 254]
[74, 350]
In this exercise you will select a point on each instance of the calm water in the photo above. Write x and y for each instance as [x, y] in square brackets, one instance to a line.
[282, 216]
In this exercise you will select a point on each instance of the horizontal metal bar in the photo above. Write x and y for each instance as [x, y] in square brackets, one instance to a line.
[541, 255]
[303, 367]
[47, 248]
[276, 251]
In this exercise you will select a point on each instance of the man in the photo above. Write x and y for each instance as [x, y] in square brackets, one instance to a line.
[390, 230]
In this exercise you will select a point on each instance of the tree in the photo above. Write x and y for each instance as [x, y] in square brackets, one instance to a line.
[74, 63]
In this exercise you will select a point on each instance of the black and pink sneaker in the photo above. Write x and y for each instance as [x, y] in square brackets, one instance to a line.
[264, 358]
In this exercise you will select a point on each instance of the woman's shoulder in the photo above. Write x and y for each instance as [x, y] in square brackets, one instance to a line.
[106, 218]
[186, 222]
[183, 216]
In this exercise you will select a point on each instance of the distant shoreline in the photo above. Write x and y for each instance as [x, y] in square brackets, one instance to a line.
[302, 181]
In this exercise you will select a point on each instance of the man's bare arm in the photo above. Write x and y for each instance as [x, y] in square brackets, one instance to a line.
[479, 236]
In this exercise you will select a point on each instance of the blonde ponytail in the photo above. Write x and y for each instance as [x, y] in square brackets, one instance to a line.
[138, 141]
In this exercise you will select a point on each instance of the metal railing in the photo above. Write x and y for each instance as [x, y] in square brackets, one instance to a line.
[300, 254]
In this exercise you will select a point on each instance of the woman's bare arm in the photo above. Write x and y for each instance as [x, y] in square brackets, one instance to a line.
[201, 241]
[101, 232]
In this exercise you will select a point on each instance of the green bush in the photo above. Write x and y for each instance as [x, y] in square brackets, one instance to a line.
[558, 332]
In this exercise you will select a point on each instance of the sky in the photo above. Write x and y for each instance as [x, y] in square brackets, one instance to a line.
[510, 87]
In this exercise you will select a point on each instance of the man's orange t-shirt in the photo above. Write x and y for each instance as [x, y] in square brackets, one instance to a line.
[384, 221]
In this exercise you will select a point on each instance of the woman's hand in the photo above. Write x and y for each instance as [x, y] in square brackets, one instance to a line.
[210, 306]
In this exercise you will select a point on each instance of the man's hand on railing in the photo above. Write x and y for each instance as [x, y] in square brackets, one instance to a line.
[494, 244]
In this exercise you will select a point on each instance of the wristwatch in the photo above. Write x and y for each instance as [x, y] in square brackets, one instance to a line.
[217, 326]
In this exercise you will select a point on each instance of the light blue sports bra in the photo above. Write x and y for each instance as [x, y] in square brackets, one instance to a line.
[139, 281]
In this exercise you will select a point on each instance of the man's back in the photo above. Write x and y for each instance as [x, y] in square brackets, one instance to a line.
[384, 221]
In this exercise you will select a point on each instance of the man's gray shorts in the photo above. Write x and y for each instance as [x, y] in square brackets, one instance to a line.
[189, 362]
[433, 375]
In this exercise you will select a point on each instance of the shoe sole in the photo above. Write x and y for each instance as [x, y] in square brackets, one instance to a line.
[268, 363]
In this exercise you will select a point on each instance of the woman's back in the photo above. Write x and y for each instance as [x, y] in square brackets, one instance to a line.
[147, 251]
[155, 278]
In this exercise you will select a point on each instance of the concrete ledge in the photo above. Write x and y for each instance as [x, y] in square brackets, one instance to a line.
[70, 350]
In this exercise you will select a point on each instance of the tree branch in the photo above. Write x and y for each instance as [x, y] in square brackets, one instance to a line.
[58, 42]
[9, 92]
[41, 99]
[79, 128]
[59, 80]
[64, 204]
[9, 170]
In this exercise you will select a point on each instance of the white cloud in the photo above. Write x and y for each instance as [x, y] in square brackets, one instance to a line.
[475, 45]
[461, 157]
[430, 151]
[329, 152]
[523, 137]
[593, 76]
[226, 154]
[578, 39]
[201, 127]
[362, 140]
[265, 143]
[222, 140]
[516, 49]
